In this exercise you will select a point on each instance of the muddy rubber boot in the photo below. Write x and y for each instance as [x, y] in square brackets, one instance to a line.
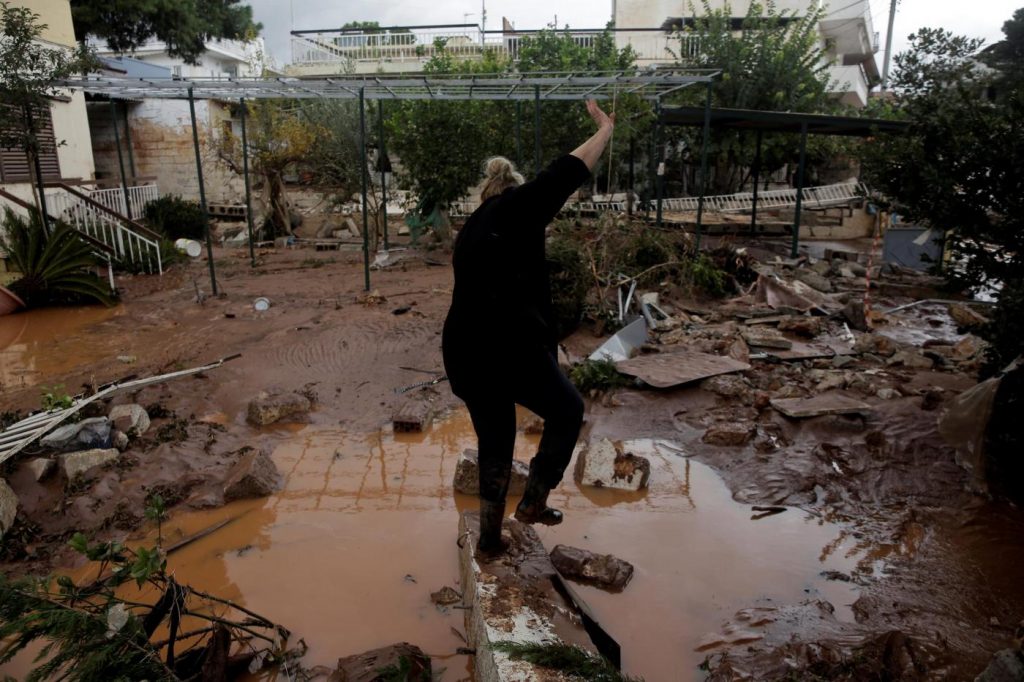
[491, 543]
[533, 508]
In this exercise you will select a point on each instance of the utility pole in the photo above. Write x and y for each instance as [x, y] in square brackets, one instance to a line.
[888, 45]
[483, 21]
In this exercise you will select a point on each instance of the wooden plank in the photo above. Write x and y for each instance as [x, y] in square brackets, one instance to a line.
[834, 403]
[664, 370]
[412, 416]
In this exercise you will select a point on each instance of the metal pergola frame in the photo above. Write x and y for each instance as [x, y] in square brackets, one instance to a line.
[772, 122]
[649, 84]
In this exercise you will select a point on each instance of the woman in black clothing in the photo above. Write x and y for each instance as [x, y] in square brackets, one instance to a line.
[499, 338]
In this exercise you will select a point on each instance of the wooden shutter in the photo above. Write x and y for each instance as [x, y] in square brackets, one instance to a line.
[14, 162]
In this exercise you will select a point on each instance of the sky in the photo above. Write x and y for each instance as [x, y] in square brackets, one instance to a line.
[980, 18]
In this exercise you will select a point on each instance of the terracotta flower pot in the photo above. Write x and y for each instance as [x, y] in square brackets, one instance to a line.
[9, 301]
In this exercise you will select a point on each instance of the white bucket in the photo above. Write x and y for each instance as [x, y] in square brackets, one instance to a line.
[189, 247]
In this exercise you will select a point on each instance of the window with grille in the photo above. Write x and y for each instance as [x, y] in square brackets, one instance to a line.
[14, 162]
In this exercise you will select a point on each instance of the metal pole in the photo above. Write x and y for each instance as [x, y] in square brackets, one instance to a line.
[632, 176]
[888, 45]
[245, 173]
[704, 163]
[202, 191]
[519, 133]
[128, 143]
[382, 152]
[660, 180]
[120, 160]
[757, 181]
[365, 173]
[536, 130]
[43, 213]
[799, 190]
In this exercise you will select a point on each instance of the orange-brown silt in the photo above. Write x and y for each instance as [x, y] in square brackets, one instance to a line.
[364, 529]
[48, 342]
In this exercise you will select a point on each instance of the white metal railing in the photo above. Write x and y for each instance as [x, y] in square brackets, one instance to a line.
[331, 49]
[138, 197]
[825, 195]
[129, 246]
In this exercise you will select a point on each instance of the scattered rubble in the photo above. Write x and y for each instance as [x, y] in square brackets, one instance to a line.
[76, 464]
[129, 419]
[730, 433]
[254, 475]
[603, 570]
[400, 662]
[605, 464]
[467, 475]
[275, 404]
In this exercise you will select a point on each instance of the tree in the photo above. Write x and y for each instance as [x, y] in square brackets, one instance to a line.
[773, 62]
[183, 26]
[958, 169]
[30, 72]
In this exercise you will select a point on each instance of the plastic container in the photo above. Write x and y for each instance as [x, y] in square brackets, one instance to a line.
[260, 304]
[189, 247]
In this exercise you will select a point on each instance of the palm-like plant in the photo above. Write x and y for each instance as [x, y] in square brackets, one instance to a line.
[54, 269]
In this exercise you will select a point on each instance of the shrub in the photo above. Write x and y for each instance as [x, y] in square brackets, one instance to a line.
[592, 376]
[176, 218]
[55, 269]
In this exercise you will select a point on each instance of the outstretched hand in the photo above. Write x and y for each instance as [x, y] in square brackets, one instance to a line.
[602, 119]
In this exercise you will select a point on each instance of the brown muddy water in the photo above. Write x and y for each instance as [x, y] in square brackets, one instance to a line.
[347, 553]
[49, 342]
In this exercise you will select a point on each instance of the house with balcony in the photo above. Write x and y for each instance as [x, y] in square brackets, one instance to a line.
[650, 27]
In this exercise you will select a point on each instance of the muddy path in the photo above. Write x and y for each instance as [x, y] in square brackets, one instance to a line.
[880, 533]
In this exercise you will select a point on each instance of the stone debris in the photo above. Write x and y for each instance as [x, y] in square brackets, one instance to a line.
[8, 507]
[254, 475]
[730, 433]
[1006, 666]
[814, 280]
[766, 337]
[131, 419]
[467, 475]
[120, 440]
[274, 404]
[912, 359]
[876, 344]
[728, 386]
[379, 665]
[534, 425]
[603, 570]
[966, 317]
[76, 464]
[606, 465]
[87, 434]
[41, 467]
[446, 596]
[802, 325]
[412, 416]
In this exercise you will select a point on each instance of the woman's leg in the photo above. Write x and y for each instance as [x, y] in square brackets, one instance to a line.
[494, 419]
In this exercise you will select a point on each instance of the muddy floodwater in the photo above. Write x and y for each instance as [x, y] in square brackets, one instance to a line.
[364, 529]
[49, 342]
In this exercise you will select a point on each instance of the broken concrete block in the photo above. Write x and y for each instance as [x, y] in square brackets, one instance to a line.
[41, 467]
[8, 507]
[87, 434]
[275, 404]
[854, 315]
[729, 433]
[802, 325]
[412, 416]
[766, 337]
[727, 386]
[76, 464]
[912, 359]
[254, 475]
[603, 570]
[379, 665]
[814, 280]
[966, 317]
[874, 343]
[467, 475]
[605, 465]
[130, 419]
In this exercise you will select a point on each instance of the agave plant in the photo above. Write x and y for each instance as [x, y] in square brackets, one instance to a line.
[54, 269]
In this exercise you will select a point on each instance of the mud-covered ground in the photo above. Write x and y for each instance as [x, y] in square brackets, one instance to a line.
[940, 574]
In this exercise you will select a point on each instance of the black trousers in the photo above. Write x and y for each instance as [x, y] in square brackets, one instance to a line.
[534, 381]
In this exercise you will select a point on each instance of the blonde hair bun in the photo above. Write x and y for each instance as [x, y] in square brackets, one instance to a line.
[499, 175]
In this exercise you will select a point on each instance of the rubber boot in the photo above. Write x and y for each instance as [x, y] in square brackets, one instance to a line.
[491, 516]
[533, 508]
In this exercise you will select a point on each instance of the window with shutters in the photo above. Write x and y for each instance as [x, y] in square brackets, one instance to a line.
[14, 161]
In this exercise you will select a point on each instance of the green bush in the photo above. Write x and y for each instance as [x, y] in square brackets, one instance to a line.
[54, 269]
[176, 218]
[592, 376]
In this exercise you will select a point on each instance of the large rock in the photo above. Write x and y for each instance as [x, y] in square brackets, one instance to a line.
[76, 464]
[41, 467]
[966, 317]
[8, 507]
[606, 465]
[814, 280]
[874, 343]
[1006, 666]
[467, 475]
[131, 419]
[603, 570]
[87, 434]
[254, 475]
[766, 337]
[729, 433]
[274, 405]
[395, 663]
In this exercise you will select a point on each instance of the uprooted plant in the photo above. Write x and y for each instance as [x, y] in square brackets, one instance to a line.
[110, 628]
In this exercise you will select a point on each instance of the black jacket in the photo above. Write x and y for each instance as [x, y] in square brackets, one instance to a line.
[502, 296]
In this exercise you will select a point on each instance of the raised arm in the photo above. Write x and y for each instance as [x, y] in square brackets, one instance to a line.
[590, 151]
